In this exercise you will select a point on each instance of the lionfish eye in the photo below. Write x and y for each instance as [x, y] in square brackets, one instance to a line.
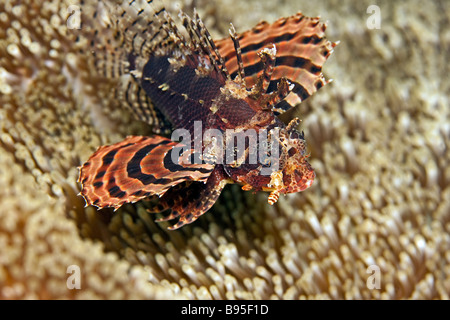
[292, 151]
[296, 135]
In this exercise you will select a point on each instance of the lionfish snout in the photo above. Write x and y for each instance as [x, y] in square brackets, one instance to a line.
[300, 179]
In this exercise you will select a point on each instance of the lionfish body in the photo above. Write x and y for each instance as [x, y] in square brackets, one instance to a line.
[182, 79]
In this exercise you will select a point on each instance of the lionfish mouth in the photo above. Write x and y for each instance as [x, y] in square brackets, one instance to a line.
[283, 184]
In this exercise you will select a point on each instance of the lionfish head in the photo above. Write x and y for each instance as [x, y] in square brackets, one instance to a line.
[298, 174]
[294, 173]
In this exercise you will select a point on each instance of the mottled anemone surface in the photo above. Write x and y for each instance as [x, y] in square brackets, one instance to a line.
[379, 138]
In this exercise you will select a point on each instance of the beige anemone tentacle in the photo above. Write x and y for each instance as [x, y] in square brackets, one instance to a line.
[379, 141]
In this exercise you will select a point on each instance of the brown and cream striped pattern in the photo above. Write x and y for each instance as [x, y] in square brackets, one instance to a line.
[133, 169]
[301, 47]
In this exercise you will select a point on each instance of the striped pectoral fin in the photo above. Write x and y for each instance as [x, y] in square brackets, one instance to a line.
[135, 98]
[301, 51]
[189, 200]
[136, 168]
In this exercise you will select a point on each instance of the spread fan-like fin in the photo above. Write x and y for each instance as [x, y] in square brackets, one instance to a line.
[136, 168]
[301, 51]
[189, 200]
[117, 39]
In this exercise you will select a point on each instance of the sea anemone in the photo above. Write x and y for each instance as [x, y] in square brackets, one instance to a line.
[379, 138]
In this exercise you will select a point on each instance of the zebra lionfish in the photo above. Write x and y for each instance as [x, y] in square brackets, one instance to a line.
[173, 77]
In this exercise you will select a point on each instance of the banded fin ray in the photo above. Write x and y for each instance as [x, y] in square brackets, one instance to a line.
[136, 168]
[134, 97]
[120, 39]
[301, 51]
[189, 200]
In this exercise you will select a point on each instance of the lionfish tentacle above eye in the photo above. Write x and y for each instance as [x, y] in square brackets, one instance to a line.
[267, 57]
[237, 48]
